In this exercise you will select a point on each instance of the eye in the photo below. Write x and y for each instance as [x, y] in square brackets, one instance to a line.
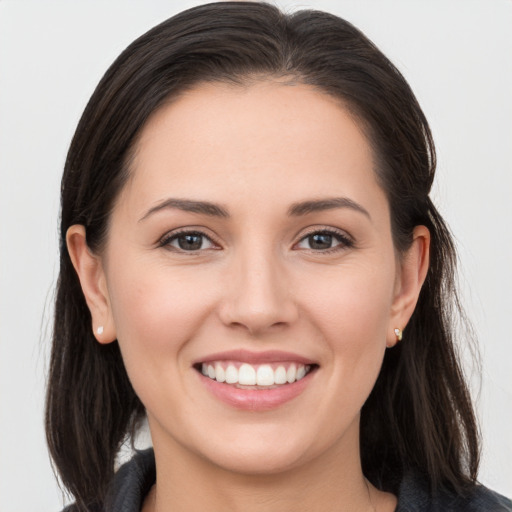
[189, 241]
[325, 240]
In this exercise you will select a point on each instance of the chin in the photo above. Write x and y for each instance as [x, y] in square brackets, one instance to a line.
[266, 449]
[259, 460]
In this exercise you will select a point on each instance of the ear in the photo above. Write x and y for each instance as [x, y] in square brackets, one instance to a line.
[411, 275]
[89, 268]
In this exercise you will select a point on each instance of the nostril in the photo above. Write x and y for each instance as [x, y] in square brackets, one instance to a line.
[256, 303]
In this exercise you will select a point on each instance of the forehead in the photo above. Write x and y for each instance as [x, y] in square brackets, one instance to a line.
[264, 140]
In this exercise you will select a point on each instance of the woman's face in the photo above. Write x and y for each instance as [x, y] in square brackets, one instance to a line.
[253, 243]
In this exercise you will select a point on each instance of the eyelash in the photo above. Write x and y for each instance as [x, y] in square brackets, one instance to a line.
[345, 242]
[166, 240]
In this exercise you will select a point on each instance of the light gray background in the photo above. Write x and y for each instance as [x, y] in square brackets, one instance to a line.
[457, 56]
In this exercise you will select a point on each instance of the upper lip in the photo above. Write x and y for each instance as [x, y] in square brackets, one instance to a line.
[247, 356]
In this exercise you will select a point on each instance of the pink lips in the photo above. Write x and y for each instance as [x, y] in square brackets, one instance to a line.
[258, 399]
[246, 356]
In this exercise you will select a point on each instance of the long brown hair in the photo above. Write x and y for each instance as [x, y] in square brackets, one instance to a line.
[419, 416]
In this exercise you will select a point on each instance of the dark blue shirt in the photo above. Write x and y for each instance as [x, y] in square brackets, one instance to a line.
[135, 478]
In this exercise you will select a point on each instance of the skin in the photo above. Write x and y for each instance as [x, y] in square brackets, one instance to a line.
[258, 285]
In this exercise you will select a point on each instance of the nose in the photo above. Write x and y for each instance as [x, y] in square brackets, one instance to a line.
[258, 294]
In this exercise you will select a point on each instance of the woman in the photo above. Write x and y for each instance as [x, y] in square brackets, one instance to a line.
[249, 257]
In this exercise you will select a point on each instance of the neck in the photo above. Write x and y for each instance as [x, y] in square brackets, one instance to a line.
[331, 482]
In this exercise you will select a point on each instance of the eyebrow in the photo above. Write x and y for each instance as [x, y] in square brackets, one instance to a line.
[306, 207]
[188, 205]
[295, 210]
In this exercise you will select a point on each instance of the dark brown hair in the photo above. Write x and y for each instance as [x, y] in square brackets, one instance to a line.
[419, 416]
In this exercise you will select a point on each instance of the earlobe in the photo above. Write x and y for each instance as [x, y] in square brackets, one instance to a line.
[89, 269]
[411, 276]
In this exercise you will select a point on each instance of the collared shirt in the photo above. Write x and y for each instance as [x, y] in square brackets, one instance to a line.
[134, 479]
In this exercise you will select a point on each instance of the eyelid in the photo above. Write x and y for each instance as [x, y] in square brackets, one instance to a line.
[164, 240]
[342, 235]
[346, 239]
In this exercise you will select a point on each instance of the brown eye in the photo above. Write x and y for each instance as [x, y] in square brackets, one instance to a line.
[320, 241]
[324, 241]
[188, 241]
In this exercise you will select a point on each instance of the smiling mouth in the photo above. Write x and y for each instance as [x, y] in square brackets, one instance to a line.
[255, 376]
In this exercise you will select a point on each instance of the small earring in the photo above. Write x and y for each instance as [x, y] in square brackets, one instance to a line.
[398, 334]
[99, 330]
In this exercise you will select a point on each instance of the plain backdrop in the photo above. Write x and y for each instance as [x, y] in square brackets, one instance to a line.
[457, 56]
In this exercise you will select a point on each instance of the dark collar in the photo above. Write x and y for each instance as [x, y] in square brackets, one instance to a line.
[134, 480]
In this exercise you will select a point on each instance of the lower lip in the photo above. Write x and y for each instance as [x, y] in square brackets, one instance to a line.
[256, 399]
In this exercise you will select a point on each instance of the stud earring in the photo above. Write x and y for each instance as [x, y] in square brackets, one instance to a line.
[99, 330]
[398, 334]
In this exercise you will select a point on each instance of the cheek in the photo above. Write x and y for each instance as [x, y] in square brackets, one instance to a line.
[156, 311]
[352, 298]
[351, 310]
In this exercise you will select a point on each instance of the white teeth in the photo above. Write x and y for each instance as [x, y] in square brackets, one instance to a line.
[231, 374]
[280, 375]
[258, 375]
[291, 373]
[247, 375]
[220, 374]
[265, 376]
[301, 372]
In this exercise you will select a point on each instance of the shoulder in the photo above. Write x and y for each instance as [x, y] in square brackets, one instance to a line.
[414, 496]
[130, 484]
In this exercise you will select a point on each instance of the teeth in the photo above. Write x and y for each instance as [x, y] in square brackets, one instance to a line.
[280, 375]
[220, 374]
[231, 375]
[291, 373]
[247, 375]
[265, 376]
[259, 375]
